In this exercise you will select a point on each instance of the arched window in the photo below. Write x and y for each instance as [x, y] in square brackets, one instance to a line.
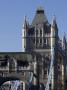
[45, 41]
[37, 32]
[40, 41]
[12, 64]
[40, 32]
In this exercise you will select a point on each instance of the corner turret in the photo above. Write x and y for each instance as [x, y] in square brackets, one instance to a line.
[25, 33]
[64, 42]
[26, 23]
[54, 29]
[54, 32]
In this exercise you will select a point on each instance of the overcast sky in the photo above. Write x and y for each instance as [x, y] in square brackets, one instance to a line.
[12, 14]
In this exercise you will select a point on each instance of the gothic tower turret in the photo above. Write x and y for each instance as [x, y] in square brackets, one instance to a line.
[54, 42]
[25, 34]
[64, 42]
[42, 38]
[54, 32]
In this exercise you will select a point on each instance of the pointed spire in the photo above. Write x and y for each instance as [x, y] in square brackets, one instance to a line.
[64, 41]
[54, 26]
[54, 21]
[53, 29]
[26, 23]
[64, 37]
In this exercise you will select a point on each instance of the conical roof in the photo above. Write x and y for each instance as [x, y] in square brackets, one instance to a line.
[40, 17]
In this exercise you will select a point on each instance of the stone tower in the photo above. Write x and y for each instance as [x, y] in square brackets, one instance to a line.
[36, 35]
[42, 38]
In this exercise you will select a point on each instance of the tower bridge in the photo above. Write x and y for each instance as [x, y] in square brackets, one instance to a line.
[43, 64]
[52, 50]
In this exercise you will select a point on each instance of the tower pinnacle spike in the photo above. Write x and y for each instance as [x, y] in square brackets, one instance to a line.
[64, 34]
[26, 23]
[53, 21]
[64, 37]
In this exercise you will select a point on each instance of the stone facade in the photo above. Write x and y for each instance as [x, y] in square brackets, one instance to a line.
[44, 56]
[42, 38]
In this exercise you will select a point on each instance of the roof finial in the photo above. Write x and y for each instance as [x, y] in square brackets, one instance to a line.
[64, 36]
[64, 41]
[54, 21]
[25, 18]
[26, 23]
[40, 10]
